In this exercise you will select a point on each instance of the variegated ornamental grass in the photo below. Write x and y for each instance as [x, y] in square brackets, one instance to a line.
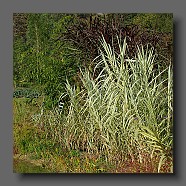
[126, 111]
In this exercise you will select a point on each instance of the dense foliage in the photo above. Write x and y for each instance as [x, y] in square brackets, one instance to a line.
[113, 74]
[41, 62]
[50, 47]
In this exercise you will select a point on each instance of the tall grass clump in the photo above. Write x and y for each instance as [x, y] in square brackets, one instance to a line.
[125, 113]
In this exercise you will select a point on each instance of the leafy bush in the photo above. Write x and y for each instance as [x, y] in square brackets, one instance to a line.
[28, 93]
[40, 61]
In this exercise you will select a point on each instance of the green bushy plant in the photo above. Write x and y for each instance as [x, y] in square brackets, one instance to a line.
[42, 62]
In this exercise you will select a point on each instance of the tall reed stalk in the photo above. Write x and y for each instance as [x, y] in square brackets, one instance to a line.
[126, 111]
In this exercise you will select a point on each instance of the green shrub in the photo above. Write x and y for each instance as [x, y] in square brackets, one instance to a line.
[41, 61]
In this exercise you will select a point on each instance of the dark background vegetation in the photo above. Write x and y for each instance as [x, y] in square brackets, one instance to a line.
[48, 48]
